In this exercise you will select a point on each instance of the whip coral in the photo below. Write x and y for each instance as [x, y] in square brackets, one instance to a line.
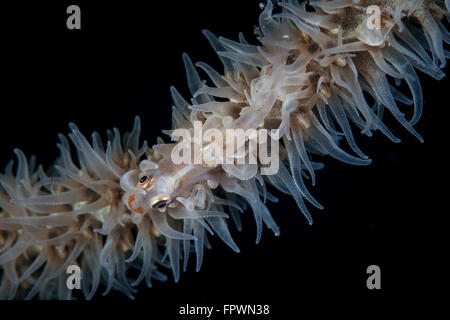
[318, 71]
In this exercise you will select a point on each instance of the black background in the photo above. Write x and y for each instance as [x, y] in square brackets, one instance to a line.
[121, 64]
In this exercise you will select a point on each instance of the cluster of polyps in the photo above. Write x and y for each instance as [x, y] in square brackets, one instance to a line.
[127, 206]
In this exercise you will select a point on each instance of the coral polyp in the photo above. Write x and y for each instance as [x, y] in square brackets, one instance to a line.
[319, 70]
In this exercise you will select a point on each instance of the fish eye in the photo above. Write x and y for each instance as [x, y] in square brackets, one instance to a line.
[146, 182]
[160, 201]
[143, 179]
[160, 204]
